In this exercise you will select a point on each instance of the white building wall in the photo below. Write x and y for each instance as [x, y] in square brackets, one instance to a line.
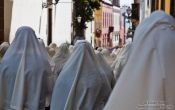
[116, 24]
[62, 22]
[90, 32]
[27, 13]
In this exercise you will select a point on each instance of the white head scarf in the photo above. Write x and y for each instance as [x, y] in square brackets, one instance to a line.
[147, 81]
[71, 47]
[23, 73]
[60, 58]
[53, 45]
[107, 69]
[3, 48]
[106, 53]
[121, 60]
[81, 85]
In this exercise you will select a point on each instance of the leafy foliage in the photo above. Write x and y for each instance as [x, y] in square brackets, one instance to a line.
[85, 9]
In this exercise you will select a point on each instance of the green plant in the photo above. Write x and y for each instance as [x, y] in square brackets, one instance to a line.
[85, 9]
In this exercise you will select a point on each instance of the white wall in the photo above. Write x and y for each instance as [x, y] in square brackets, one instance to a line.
[25, 13]
[116, 24]
[90, 32]
[62, 22]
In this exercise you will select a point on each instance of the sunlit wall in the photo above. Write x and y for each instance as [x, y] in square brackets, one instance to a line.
[62, 22]
[28, 13]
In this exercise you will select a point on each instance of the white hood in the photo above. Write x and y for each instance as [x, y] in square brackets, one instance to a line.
[147, 81]
[82, 84]
[24, 73]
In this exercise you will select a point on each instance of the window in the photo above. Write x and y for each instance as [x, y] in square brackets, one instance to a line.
[103, 19]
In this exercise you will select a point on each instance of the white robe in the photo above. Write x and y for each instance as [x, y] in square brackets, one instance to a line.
[107, 69]
[24, 73]
[147, 81]
[82, 84]
[121, 60]
[60, 58]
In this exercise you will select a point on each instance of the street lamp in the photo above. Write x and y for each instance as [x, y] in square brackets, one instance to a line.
[49, 4]
[79, 19]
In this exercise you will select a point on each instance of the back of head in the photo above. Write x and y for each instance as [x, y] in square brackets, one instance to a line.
[80, 74]
[24, 64]
[3, 48]
[53, 45]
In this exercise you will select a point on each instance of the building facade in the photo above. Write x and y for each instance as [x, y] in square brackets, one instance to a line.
[116, 39]
[151, 5]
[107, 24]
[103, 21]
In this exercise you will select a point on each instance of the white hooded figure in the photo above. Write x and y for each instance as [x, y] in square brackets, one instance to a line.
[106, 53]
[3, 48]
[147, 81]
[107, 69]
[71, 47]
[24, 73]
[121, 60]
[53, 45]
[82, 84]
[60, 58]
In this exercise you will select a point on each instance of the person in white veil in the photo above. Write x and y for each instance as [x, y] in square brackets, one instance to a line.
[24, 73]
[53, 45]
[82, 84]
[121, 60]
[71, 47]
[106, 53]
[3, 48]
[60, 58]
[107, 69]
[147, 81]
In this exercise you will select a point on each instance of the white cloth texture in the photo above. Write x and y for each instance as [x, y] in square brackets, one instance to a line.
[106, 53]
[147, 81]
[53, 45]
[82, 84]
[24, 73]
[121, 60]
[107, 69]
[71, 47]
[60, 58]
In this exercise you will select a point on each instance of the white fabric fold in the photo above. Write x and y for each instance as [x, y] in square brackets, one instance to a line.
[82, 84]
[24, 73]
[60, 58]
[147, 81]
